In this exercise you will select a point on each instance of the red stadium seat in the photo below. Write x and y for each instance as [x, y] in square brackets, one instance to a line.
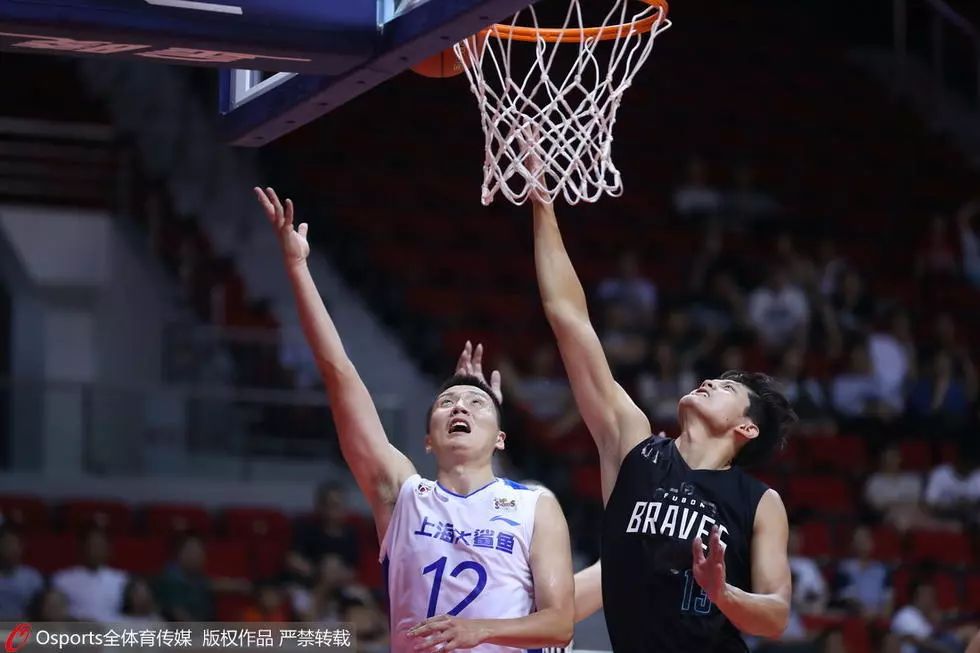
[817, 539]
[826, 494]
[844, 453]
[268, 557]
[368, 568]
[26, 513]
[174, 519]
[256, 522]
[50, 552]
[916, 455]
[141, 555]
[857, 636]
[587, 482]
[112, 516]
[972, 602]
[229, 606]
[941, 547]
[887, 544]
[947, 590]
[227, 559]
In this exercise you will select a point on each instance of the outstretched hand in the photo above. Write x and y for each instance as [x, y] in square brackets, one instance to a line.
[529, 138]
[295, 247]
[471, 363]
[709, 572]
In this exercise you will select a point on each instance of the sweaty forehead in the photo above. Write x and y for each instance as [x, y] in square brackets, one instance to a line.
[457, 390]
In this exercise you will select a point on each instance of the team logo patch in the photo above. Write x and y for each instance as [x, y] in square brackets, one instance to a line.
[502, 503]
[423, 488]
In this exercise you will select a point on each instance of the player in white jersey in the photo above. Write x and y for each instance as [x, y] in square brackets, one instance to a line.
[473, 561]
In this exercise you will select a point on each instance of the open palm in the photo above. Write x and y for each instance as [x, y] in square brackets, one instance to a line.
[295, 247]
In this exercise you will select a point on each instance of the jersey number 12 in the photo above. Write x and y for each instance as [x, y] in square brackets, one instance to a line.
[439, 567]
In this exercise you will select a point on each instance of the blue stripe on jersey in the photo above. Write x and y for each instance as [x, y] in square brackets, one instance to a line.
[515, 484]
[466, 496]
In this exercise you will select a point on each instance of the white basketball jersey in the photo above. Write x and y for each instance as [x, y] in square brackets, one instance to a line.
[459, 555]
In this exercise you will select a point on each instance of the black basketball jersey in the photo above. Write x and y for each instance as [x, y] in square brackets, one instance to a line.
[658, 505]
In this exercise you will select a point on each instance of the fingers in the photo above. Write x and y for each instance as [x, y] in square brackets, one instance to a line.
[435, 642]
[303, 229]
[289, 211]
[463, 364]
[495, 385]
[478, 361]
[428, 625]
[717, 549]
[270, 211]
[274, 199]
[697, 551]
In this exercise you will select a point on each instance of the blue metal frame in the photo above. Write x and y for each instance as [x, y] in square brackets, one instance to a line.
[403, 42]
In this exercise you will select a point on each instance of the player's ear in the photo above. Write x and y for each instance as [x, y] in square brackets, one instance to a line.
[747, 430]
[501, 438]
[428, 444]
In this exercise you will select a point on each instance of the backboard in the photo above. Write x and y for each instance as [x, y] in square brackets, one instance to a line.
[282, 63]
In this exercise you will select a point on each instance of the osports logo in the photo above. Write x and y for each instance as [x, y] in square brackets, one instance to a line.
[18, 637]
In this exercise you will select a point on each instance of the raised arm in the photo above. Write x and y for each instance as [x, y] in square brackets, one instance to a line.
[764, 611]
[588, 592]
[378, 467]
[551, 624]
[617, 424]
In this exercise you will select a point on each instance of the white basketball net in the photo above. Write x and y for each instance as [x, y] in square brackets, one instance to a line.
[569, 107]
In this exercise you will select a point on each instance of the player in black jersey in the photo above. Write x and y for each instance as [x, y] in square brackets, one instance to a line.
[693, 549]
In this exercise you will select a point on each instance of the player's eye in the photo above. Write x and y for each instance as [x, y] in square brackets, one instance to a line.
[478, 402]
[445, 402]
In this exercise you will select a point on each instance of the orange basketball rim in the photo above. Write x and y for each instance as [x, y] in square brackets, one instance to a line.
[580, 34]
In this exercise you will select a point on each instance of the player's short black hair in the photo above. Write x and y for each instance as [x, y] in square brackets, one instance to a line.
[769, 410]
[465, 379]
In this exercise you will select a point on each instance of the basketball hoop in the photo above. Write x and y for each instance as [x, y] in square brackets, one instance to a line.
[569, 108]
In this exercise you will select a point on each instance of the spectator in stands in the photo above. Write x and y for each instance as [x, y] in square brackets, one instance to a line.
[779, 312]
[544, 391]
[919, 626]
[328, 533]
[625, 343]
[93, 589]
[806, 393]
[635, 293]
[853, 305]
[19, 584]
[800, 268]
[953, 489]
[893, 354]
[893, 494]
[943, 396]
[863, 584]
[722, 307]
[969, 241]
[696, 197]
[269, 606]
[746, 202]
[335, 582]
[661, 387]
[139, 606]
[710, 260]
[830, 267]
[49, 605]
[937, 257]
[184, 591]
[855, 393]
[810, 592]
[368, 621]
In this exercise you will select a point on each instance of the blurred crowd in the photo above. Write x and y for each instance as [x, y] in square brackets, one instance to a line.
[318, 582]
